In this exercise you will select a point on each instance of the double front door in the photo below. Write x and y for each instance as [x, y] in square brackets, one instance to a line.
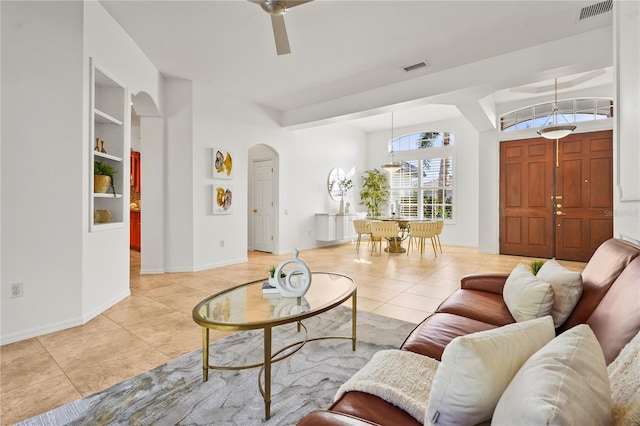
[556, 197]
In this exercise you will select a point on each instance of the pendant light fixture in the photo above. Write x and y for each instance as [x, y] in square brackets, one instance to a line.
[393, 165]
[555, 131]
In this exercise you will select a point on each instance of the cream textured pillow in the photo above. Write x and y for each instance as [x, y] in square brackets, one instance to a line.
[564, 383]
[526, 296]
[567, 287]
[475, 369]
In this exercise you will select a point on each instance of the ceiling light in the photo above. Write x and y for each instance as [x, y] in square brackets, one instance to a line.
[555, 131]
[392, 166]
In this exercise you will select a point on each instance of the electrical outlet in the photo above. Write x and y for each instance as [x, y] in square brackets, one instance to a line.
[16, 290]
[221, 243]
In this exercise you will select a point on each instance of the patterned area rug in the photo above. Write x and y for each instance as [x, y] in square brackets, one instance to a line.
[174, 393]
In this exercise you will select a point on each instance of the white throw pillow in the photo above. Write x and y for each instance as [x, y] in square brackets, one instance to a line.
[526, 296]
[564, 383]
[567, 287]
[476, 368]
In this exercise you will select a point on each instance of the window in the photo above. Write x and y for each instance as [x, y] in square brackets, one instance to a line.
[569, 111]
[423, 187]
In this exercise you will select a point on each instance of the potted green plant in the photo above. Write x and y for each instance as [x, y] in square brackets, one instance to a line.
[374, 192]
[535, 265]
[272, 278]
[103, 177]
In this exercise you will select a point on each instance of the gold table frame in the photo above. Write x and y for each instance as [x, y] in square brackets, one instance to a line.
[267, 326]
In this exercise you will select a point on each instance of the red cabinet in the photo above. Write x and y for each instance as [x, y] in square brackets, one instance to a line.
[135, 170]
[134, 240]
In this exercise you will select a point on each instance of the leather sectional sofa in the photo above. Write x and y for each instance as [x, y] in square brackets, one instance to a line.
[610, 305]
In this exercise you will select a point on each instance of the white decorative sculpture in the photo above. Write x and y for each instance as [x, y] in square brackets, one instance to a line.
[297, 281]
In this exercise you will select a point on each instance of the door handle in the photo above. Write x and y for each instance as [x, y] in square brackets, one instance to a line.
[255, 210]
[559, 213]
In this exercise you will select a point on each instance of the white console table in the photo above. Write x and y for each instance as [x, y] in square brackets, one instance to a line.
[336, 227]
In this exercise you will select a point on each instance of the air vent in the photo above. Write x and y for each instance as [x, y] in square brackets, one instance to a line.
[595, 9]
[414, 67]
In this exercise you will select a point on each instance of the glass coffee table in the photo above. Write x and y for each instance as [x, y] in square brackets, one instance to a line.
[246, 308]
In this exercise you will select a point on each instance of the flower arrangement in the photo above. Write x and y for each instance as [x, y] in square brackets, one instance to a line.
[345, 185]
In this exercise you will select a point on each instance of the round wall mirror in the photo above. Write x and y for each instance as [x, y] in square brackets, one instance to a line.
[332, 183]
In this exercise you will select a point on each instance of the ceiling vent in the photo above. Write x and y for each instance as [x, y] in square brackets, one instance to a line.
[595, 9]
[414, 67]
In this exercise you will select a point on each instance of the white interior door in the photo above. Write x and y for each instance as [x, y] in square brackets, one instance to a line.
[262, 209]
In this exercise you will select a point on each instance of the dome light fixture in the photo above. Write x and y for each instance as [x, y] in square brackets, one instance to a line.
[393, 165]
[555, 131]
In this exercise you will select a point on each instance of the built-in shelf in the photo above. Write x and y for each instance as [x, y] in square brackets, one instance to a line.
[104, 118]
[107, 156]
[110, 110]
[106, 195]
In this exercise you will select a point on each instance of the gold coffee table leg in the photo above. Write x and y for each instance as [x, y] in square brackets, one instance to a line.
[267, 373]
[205, 354]
[354, 302]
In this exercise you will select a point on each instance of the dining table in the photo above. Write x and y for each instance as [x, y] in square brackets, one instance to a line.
[395, 243]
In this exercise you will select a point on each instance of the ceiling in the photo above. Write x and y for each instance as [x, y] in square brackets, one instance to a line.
[341, 48]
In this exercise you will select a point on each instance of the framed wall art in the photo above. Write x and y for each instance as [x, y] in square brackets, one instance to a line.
[222, 164]
[222, 199]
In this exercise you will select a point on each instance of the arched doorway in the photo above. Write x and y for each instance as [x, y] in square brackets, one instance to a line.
[146, 140]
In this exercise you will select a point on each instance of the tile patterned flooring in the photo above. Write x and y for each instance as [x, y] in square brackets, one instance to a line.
[154, 324]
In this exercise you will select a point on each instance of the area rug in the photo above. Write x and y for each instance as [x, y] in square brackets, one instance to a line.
[174, 393]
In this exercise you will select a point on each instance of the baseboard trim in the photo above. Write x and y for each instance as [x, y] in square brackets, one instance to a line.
[62, 325]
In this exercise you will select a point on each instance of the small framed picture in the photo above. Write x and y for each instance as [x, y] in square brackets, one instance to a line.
[222, 199]
[222, 164]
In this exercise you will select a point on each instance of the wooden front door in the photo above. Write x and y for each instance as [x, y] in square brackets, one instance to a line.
[584, 180]
[526, 186]
[556, 201]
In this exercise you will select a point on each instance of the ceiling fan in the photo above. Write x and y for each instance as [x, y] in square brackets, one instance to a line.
[277, 9]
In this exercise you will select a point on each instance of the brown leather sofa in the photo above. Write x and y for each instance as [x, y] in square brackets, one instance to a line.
[610, 305]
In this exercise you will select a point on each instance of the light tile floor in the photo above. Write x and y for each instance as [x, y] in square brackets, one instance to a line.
[154, 324]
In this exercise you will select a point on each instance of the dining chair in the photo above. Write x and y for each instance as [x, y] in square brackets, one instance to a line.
[421, 231]
[362, 227]
[383, 230]
[438, 232]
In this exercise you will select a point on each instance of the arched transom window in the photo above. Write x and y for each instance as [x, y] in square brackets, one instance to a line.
[569, 111]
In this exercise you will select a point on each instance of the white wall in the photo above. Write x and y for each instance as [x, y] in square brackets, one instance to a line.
[179, 175]
[106, 253]
[69, 274]
[305, 165]
[626, 221]
[305, 158]
[153, 152]
[42, 166]
[233, 124]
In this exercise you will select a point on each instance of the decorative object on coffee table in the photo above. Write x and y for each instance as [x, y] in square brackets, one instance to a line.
[296, 282]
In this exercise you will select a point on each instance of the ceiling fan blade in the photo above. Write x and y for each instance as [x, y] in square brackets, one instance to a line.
[280, 35]
[291, 4]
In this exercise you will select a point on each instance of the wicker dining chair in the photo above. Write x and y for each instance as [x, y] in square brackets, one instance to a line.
[421, 231]
[438, 232]
[383, 230]
[362, 227]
